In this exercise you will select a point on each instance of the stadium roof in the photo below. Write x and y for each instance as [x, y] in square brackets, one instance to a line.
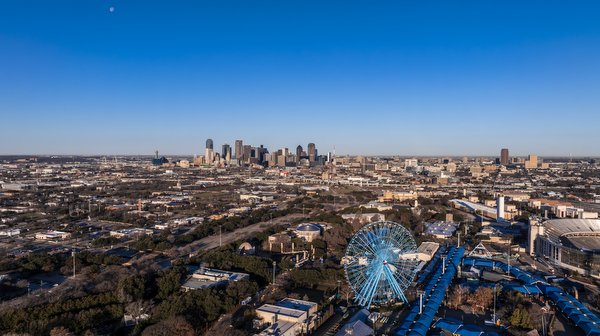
[579, 233]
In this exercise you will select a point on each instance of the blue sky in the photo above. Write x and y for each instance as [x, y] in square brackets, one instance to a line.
[368, 77]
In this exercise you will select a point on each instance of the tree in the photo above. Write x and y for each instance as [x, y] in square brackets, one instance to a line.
[520, 318]
[169, 281]
[481, 299]
[61, 331]
[132, 288]
[177, 325]
[458, 296]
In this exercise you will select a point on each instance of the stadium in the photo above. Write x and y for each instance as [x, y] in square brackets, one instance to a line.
[571, 244]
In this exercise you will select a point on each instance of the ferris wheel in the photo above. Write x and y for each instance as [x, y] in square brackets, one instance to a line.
[380, 262]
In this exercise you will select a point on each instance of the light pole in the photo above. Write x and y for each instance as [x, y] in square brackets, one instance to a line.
[508, 259]
[73, 254]
[544, 311]
[444, 264]
[494, 316]
[420, 293]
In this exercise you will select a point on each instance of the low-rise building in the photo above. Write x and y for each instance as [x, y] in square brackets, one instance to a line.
[136, 232]
[52, 235]
[377, 205]
[10, 232]
[364, 218]
[300, 313]
[208, 277]
[308, 231]
[389, 196]
[441, 229]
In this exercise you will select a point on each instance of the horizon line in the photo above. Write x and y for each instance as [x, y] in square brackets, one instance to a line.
[338, 155]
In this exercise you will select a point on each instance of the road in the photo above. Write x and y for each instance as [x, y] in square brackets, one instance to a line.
[212, 242]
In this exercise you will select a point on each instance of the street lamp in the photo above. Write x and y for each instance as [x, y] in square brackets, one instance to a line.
[420, 293]
[544, 311]
[444, 264]
[494, 316]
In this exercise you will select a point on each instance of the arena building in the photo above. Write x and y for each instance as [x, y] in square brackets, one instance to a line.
[573, 244]
[308, 231]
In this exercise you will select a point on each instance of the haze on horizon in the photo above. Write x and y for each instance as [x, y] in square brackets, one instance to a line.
[384, 78]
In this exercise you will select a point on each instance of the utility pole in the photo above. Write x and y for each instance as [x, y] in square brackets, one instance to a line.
[420, 293]
[274, 265]
[73, 254]
[220, 237]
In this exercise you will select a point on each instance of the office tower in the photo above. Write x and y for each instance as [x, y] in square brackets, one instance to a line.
[504, 159]
[531, 162]
[226, 152]
[298, 153]
[312, 152]
[239, 149]
[246, 152]
[281, 157]
[209, 156]
[261, 153]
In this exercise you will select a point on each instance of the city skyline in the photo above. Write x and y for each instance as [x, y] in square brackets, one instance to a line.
[385, 79]
[293, 167]
[200, 151]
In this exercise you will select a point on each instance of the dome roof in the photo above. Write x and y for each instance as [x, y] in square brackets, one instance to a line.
[309, 227]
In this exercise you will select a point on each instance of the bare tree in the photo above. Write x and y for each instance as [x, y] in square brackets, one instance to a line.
[458, 296]
[481, 299]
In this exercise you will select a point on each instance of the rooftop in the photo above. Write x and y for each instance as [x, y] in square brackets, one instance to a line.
[579, 233]
[283, 311]
[296, 304]
[207, 277]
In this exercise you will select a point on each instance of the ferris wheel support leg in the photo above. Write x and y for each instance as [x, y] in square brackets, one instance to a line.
[368, 290]
[374, 287]
[394, 284]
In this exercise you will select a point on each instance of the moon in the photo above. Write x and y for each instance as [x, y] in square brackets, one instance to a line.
[111, 9]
